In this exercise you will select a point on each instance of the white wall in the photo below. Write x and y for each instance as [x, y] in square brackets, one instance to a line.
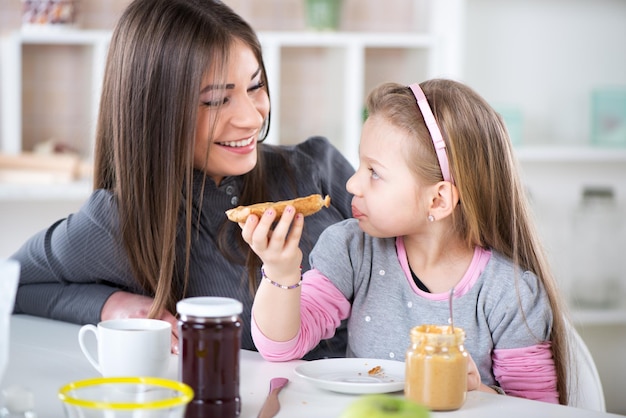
[555, 190]
[20, 219]
[545, 57]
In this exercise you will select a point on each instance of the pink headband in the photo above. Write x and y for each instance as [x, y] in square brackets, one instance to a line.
[435, 133]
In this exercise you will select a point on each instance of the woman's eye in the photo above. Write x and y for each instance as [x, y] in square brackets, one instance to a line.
[257, 86]
[215, 102]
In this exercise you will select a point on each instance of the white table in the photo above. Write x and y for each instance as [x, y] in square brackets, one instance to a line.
[45, 355]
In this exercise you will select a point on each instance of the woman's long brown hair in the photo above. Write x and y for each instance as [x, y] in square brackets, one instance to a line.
[494, 212]
[160, 51]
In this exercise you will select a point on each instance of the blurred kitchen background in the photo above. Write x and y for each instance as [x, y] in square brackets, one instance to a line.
[555, 69]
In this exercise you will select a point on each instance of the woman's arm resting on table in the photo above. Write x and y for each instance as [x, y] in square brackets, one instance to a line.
[129, 305]
[75, 303]
[69, 270]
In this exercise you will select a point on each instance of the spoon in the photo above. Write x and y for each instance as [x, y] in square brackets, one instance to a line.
[450, 304]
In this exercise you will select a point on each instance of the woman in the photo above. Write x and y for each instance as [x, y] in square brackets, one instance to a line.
[184, 109]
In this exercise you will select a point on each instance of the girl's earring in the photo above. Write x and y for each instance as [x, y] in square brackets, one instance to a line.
[431, 218]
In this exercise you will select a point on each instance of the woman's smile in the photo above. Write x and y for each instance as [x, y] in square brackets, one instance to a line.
[240, 146]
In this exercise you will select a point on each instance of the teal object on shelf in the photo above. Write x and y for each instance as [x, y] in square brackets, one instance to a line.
[608, 116]
[323, 14]
[514, 121]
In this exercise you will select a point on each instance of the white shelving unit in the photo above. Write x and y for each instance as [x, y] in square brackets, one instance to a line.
[350, 67]
[348, 61]
[11, 70]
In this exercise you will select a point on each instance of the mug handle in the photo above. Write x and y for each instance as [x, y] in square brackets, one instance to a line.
[81, 341]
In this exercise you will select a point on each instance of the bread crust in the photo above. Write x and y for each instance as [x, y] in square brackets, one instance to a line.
[305, 205]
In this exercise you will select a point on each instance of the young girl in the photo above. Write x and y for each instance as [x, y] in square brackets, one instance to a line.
[437, 205]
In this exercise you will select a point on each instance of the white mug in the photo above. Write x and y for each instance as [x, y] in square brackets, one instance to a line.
[129, 347]
[9, 277]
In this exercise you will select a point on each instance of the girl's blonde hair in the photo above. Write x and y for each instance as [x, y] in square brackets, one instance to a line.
[493, 210]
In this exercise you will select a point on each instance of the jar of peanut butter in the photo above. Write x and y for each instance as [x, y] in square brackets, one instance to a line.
[436, 367]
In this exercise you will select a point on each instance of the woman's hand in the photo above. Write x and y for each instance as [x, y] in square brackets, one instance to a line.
[129, 305]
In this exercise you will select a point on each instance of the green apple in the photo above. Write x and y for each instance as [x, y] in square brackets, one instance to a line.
[384, 406]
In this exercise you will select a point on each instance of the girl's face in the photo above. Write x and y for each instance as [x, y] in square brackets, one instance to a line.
[243, 106]
[386, 200]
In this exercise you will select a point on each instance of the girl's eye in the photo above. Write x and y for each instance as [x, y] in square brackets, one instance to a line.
[373, 174]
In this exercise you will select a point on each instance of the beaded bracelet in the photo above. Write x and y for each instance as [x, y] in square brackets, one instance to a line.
[282, 286]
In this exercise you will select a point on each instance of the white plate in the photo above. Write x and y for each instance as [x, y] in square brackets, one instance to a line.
[350, 375]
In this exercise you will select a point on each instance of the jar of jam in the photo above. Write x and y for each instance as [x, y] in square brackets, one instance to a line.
[436, 367]
[209, 335]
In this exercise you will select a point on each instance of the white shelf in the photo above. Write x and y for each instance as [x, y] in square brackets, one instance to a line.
[63, 36]
[348, 64]
[570, 154]
[599, 317]
[77, 190]
[347, 39]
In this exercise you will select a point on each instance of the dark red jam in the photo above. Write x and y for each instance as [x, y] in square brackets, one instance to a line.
[209, 356]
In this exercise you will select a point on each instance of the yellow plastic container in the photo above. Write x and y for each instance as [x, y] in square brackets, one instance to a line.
[125, 397]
